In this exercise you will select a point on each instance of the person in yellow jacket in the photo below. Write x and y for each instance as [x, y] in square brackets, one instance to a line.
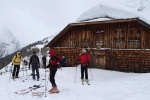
[16, 62]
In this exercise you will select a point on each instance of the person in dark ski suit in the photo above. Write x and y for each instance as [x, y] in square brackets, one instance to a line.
[53, 65]
[34, 60]
[44, 61]
[63, 62]
[16, 62]
[84, 59]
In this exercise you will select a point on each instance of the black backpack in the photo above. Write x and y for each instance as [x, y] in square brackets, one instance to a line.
[34, 60]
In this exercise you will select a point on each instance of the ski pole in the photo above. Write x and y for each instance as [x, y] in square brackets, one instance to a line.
[91, 74]
[45, 82]
[5, 69]
[23, 70]
[10, 73]
[9, 77]
[75, 75]
[26, 72]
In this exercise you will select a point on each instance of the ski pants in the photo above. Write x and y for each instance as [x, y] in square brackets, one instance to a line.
[16, 71]
[35, 68]
[84, 69]
[52, 77]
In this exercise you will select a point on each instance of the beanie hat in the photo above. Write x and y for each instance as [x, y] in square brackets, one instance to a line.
[51, 52]
[83, 51]
[34, 52]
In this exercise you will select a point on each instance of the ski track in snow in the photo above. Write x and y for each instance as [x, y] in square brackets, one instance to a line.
[106, 85]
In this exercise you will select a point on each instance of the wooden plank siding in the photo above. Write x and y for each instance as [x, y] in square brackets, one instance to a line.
[122, 45]
[111, 59]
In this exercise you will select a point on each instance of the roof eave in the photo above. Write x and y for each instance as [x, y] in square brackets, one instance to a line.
[59, 35]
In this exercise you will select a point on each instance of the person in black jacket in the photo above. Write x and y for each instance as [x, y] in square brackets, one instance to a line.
[34, 60]
[64, 62]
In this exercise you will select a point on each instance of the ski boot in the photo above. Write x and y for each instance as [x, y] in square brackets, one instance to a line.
[13, 77]
[54, 90]
[82, 80]
[87, 80]
[51, 90]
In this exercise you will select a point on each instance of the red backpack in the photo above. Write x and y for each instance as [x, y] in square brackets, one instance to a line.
[59, 59]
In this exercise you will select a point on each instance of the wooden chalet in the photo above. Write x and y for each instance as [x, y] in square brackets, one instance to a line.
[120, 45]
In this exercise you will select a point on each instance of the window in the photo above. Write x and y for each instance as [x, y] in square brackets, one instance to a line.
[99, 44]
[85, 44]
[101, 32]
[134, 44]
[119, 43]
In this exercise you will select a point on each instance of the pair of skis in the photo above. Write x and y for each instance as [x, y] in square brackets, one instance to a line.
[27, 90]
[24, 91]
[37, 86]
[54, 92]
[40, 94]
[86, 83]
[13, 78]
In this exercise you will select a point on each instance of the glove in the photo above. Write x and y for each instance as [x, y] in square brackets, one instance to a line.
[29, 67]
[25, 61]
[48, 66]
[88, 62]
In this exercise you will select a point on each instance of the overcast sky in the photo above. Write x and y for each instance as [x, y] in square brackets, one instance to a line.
[33, 20]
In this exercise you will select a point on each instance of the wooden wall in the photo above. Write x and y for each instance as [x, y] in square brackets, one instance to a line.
[110, 59]
[125, 35]
[71, 54]
[128, 60]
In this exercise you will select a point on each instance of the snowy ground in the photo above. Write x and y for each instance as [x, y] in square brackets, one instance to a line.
[105, 85]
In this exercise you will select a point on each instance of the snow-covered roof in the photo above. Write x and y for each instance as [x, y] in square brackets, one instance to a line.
[118, 9]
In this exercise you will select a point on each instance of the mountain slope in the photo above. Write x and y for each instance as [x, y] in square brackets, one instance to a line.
[25, 51]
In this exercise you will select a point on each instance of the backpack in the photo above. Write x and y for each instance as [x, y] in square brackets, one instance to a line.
[58, 60]
[34, 60]
[57, 64]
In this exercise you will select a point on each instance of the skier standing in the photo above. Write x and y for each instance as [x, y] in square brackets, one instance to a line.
[16, 62]
[34, 60]
[84, 59]
[53, 65]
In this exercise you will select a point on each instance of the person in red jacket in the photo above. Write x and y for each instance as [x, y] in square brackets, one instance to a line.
[53, 65]
[84, 59]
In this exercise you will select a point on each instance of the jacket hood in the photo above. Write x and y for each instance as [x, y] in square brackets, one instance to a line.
[18, 54]
[52, 53]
